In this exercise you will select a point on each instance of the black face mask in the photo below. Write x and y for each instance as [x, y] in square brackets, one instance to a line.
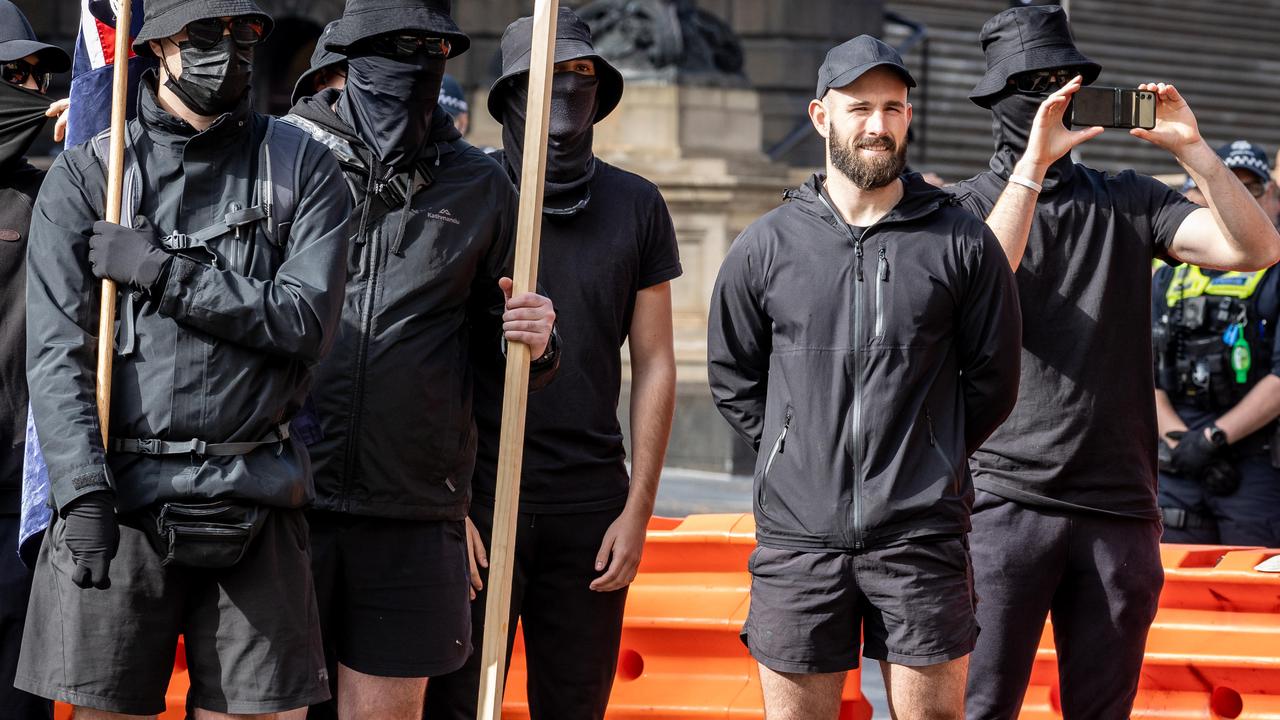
[570, 162]
[389, 102]
[21, 120]
[1012, 116]
[213, 81]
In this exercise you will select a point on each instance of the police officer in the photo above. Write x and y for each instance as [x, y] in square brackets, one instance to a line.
[26, 66]
[189, 520]
[1218, 389]
[433, 237]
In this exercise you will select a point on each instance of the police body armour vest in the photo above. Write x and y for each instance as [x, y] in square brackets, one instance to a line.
[1206, 338]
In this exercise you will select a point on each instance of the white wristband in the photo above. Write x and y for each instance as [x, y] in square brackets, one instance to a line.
[1026, 182]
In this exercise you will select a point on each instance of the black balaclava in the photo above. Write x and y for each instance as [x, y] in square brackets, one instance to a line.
[389, 102]
[570, 162]
[1012, 115]
[21, 120]
[213, 81]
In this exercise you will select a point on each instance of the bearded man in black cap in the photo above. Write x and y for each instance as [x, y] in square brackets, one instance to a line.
[26, 66]
[189, 521]
[433, 237]
[1065, 520]
[864, 339]
[608, 256]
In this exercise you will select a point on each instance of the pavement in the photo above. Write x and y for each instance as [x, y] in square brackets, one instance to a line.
[688, 492]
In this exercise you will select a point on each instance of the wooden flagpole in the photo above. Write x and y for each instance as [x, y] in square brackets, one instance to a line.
[516, 390]
[115, 189]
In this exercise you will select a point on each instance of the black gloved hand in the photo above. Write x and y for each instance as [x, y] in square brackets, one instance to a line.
[130, 256]
[93, 536]
[1193, 454]
[1221, 478]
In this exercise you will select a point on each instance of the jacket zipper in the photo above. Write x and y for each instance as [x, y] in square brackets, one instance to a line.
[933, 443]
[857, 394]
[882, 271]
[370, 261]
[779, 445]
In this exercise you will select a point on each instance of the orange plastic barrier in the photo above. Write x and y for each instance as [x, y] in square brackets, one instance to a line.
[1214, 649]
[681, 658]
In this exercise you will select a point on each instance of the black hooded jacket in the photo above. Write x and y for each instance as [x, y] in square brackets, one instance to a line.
[223, 354]
[395, 395]
[19, 183]
[864, 372]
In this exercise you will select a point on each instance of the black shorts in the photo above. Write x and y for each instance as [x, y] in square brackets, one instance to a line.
[914, 602]
[252, 631]
[394, 598]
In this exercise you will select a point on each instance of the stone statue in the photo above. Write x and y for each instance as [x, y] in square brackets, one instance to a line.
[668, 40]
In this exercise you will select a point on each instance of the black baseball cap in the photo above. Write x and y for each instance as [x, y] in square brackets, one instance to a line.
[849, 61]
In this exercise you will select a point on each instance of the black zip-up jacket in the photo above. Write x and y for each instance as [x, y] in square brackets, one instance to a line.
[19, 183]
[395, 395]
[222, 355]
[865, 371]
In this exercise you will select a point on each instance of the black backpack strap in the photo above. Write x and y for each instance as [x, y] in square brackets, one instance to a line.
[280, 164]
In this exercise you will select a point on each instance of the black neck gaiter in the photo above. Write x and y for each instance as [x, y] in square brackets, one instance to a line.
[21, 120]
[1012, 116]
[389, 102]
[570, 162]
[213, 81]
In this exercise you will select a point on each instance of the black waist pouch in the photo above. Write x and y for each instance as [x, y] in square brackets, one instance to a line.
[213, 534]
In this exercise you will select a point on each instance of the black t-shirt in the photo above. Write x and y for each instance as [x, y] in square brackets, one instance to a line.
[591, 265]
[1083, 433]
[1264, 313]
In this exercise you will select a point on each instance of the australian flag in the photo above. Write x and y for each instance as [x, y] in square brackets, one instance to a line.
[90, 114]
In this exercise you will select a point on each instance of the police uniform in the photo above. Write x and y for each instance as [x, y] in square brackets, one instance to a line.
[1215, 339]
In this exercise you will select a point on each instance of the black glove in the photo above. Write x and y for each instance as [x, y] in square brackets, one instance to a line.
[93, 536]
[1193, 454]
[1221, 478]
[130, 256]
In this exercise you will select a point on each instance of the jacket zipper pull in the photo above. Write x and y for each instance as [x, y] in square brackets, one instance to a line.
[928, 417]
[884, 266]
[782, 441]
[857, 250]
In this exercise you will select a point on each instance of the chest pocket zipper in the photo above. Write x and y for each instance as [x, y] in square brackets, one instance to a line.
[882, 272]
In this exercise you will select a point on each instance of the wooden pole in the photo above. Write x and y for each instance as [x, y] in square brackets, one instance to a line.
[115, 189]
[516, 390]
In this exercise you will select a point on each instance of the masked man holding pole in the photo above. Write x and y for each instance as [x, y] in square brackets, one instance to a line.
[433, 235]
[189, 521]
[26, 66]
[1065, 521]
[608, 254]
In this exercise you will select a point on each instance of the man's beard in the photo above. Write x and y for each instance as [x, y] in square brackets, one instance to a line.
[867, 173]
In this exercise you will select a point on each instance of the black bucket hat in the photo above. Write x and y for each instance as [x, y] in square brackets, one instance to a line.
[1024, 39]
[364, 19]
[573, 42]
[166, 18]
[18, 40]
[320, 60]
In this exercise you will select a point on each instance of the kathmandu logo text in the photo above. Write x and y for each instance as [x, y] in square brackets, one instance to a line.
[444, 216]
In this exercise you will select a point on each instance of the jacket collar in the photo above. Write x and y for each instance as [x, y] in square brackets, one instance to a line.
[919, 199]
